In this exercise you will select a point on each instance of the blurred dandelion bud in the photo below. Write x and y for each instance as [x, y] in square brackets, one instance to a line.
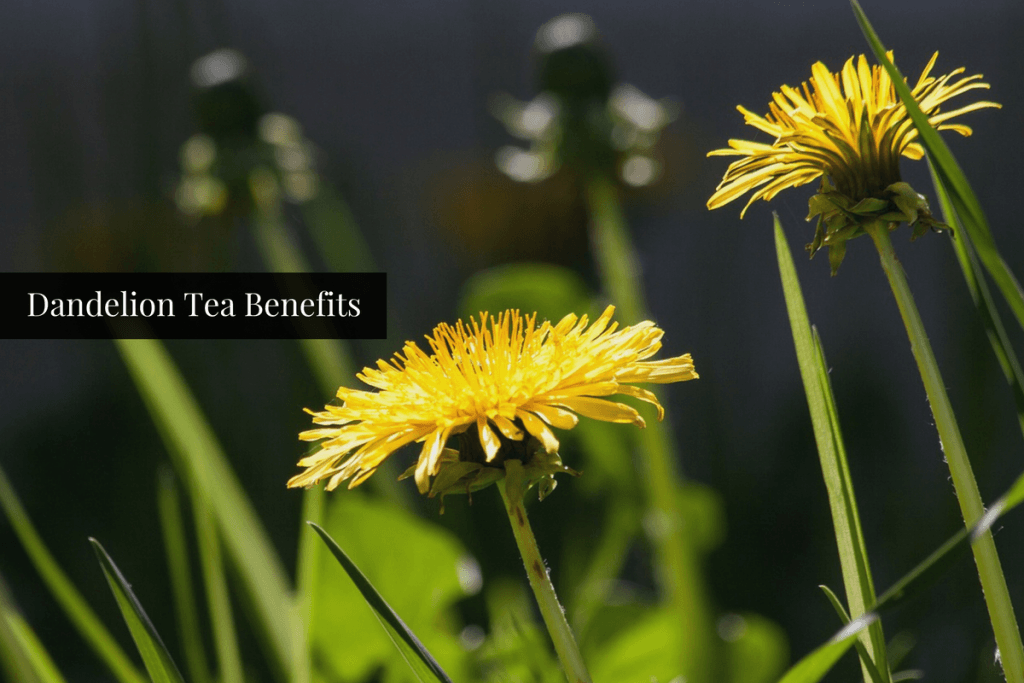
[241, 148]
[581, 118]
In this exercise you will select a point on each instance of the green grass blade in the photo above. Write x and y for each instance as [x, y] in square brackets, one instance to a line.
[853, 556]
[815, 665]
[982, 297]
[200, 461]
[158, 661]
[306, 573]
[862, 652]
[22, 655]
[412, 650]
[70, 600]
[217, 598]
[962, 195]
[185, 608]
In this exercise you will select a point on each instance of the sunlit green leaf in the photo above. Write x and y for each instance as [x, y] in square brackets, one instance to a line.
[756, 650]
[158, 661]
[548, 290]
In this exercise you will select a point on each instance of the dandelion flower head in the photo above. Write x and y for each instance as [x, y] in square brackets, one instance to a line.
[502, 379]
[850, 126]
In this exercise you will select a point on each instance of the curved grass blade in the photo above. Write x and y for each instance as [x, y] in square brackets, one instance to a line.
[412, 650]
[862, 652]
[962, 195]
[200, 462]
[814, 666]
[64, 592]
[853, 554]
[158, 661]
[185, 608]
[22, 656]
[982, 297]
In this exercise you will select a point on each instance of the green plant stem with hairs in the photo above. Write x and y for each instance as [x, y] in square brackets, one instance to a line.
[679, 573]
[512, 490]
[993, 583]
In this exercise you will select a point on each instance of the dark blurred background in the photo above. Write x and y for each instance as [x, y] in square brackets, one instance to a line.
[96, 101]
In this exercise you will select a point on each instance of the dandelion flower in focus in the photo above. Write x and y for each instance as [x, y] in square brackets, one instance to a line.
[502, 384]
[849, 129]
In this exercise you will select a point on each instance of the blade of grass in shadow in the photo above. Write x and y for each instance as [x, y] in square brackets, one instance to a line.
[70, 600]
[412, 650]
[217, 598]
[180, 572]
[678, 569]
[962, 195]
[305, 579]
[853, 555]
[158, 661]
[201, 463]
[22, 655]
[330, 222]
[982, 297]
[814, 666]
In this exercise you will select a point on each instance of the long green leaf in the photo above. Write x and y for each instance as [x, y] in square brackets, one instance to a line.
[412, 650]
[982, 297]
[70, 600]
[853, 556]
[185, 608]
[200, 461]
[158, 661]
[962, 195]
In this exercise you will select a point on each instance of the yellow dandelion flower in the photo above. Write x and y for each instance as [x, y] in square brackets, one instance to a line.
[849, 126]
[501, 380]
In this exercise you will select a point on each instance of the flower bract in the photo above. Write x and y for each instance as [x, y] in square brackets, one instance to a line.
[504, 381]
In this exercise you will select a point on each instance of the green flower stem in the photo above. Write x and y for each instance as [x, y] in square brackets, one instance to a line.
[679, 571]
[329, 359]
[550, 608]
[993, 583]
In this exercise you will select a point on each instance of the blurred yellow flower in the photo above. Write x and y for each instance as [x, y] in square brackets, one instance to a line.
[504, 373]
[849, 126]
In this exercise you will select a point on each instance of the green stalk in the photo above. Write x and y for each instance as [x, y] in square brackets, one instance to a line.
[512, 490]
[305, 579]
[679, 573]
[329, 359]
[993, 583]
[218, 601]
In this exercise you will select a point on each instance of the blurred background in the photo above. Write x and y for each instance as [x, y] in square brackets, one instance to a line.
[396, 107]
